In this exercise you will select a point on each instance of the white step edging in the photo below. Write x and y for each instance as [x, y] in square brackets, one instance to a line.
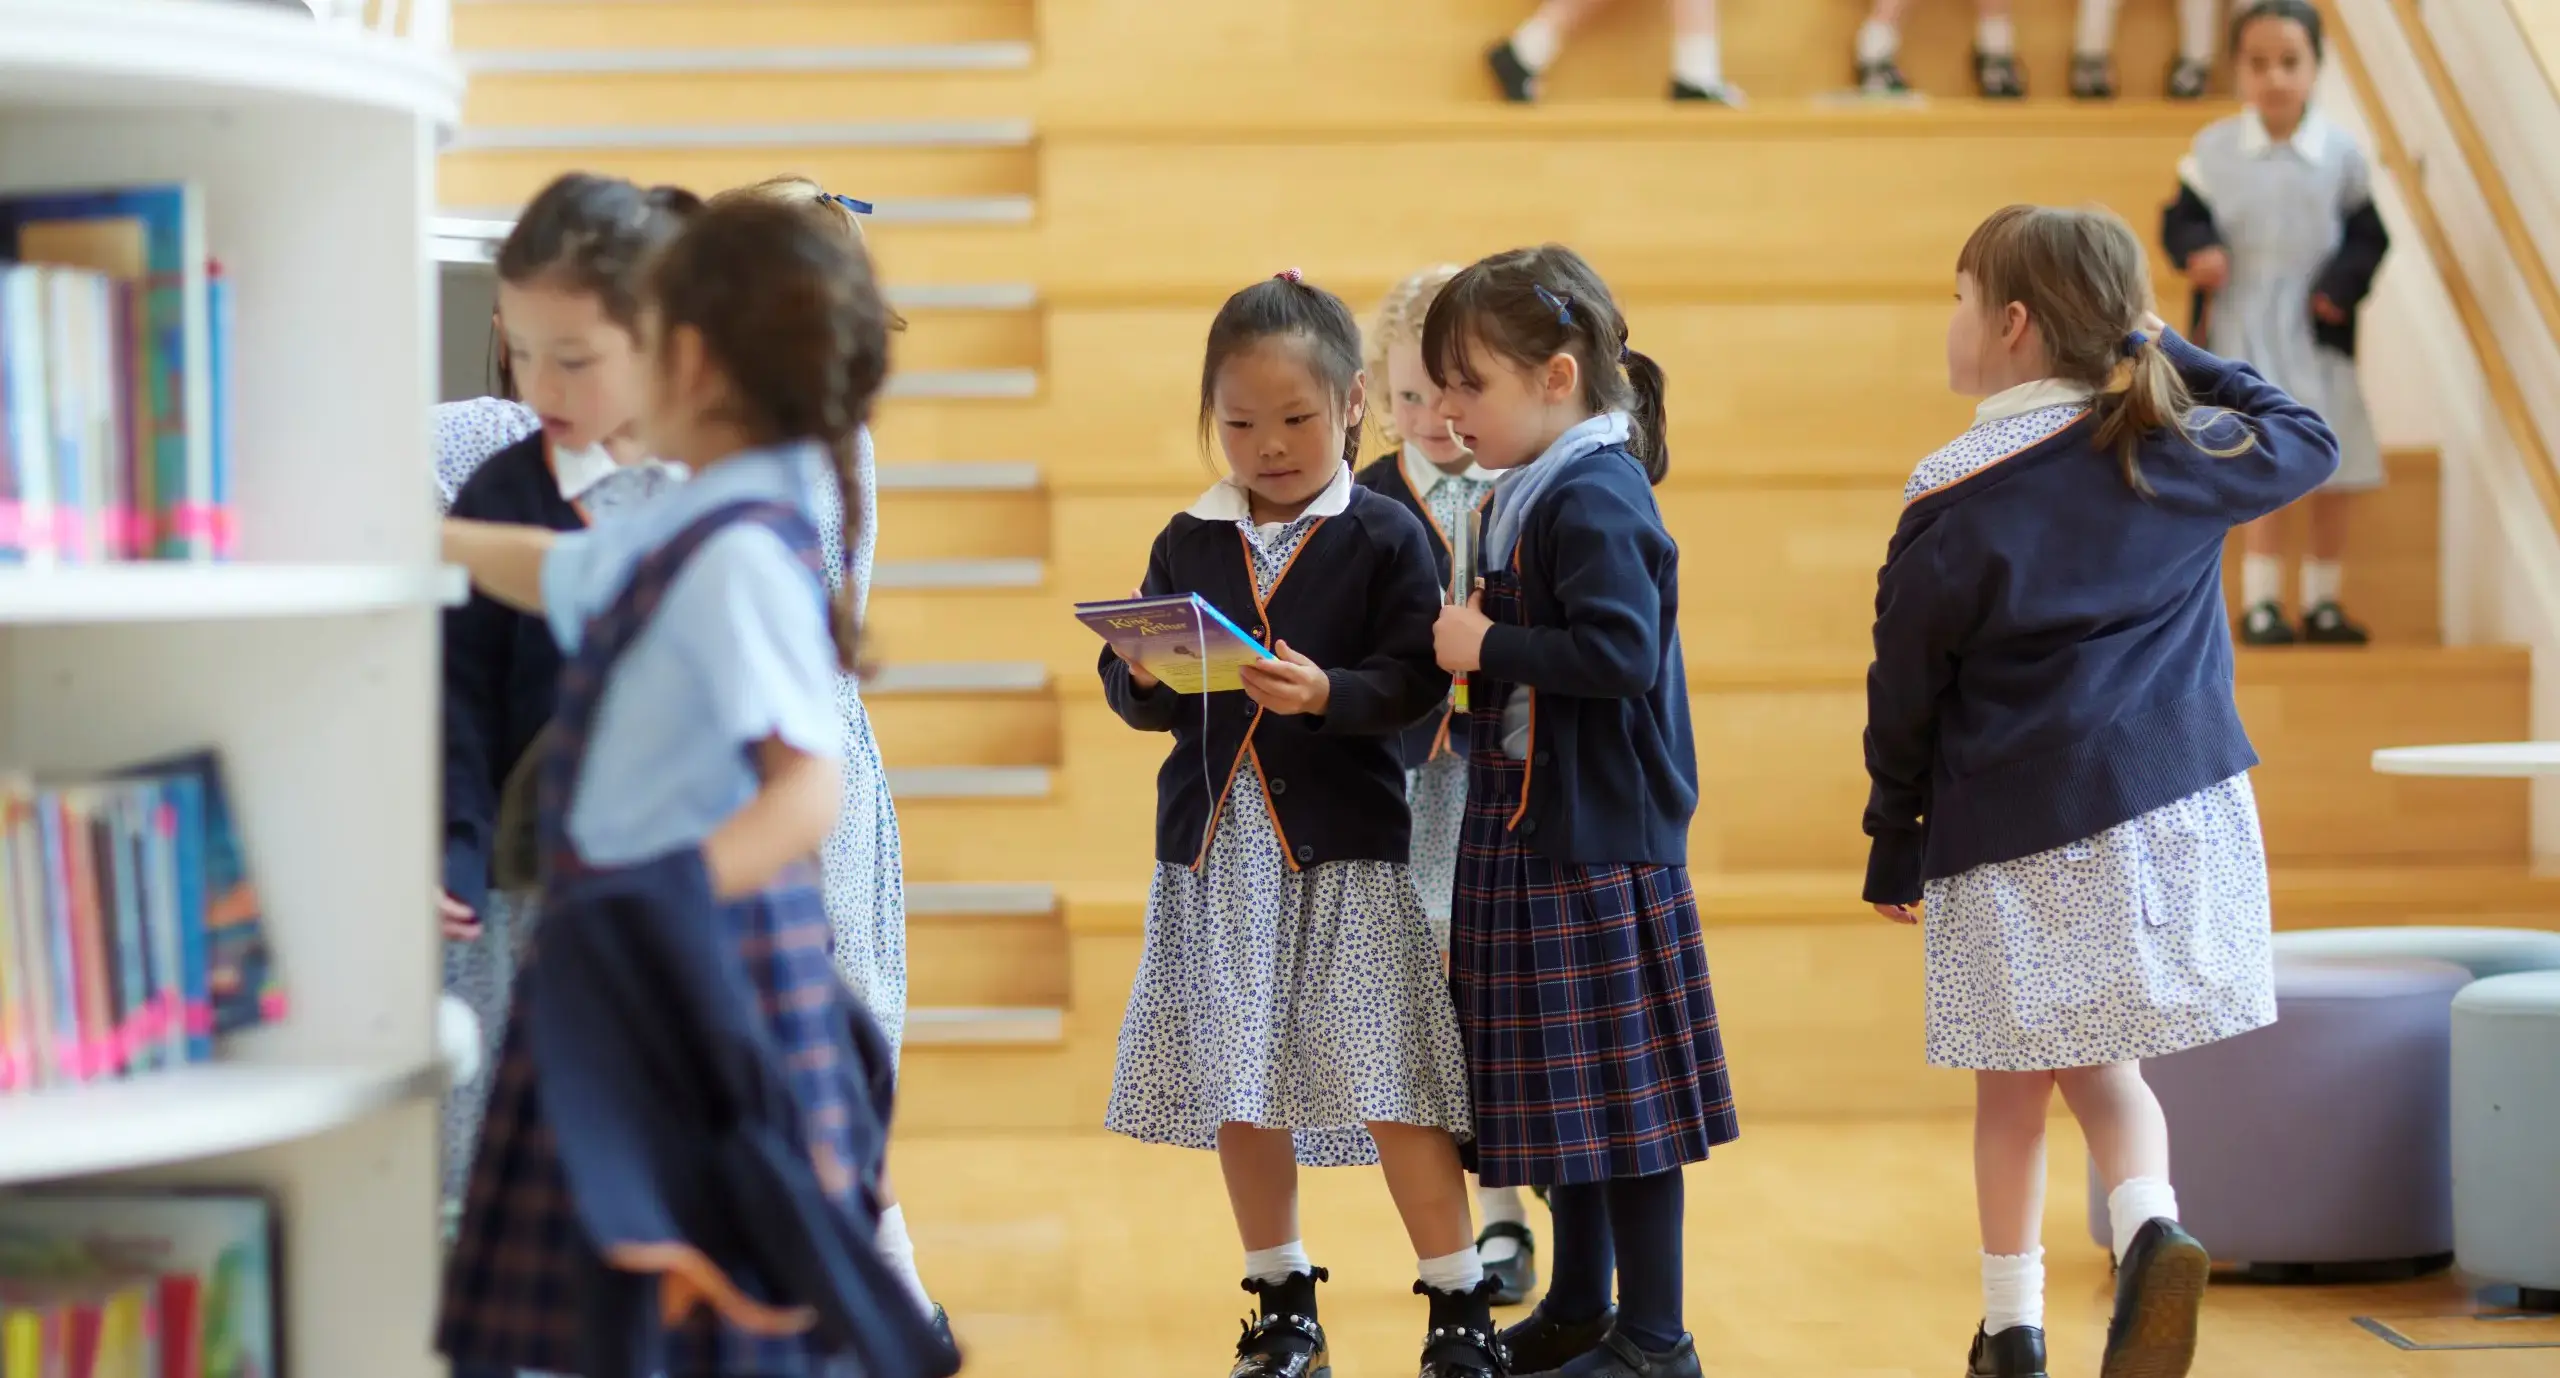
[991, 477]
[958, 677]
[970, 782]
[958, 574]
[899, 57]
[960, 1026]
[851, 134]
[971, 900]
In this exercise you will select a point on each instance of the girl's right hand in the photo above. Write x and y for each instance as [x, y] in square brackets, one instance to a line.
[456, 918]
[1899, 913]
[2209, 268]
[1137, 673]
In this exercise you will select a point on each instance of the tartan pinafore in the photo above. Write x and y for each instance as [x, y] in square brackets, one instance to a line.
[1582, 992]
[511, 1296]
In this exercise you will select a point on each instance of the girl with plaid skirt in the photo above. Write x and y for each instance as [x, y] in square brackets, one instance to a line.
[691, 770]
[1581, 980]
[1290, 1005]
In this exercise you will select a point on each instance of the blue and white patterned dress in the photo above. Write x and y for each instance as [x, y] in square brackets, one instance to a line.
[1310, 1000]
[2148, 938]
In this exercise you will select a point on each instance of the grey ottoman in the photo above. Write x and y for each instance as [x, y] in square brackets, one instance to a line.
[2322, 1138]
[2506, 1133]
[2485, 951]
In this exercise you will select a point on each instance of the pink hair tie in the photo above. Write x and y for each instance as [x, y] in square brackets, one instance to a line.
[1291, 274]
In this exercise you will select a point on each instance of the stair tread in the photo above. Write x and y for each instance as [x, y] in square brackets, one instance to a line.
[958, 574]
[971, 782]
[973, 899]
[985, 1026]
[958, 677]
[833, 134]
[958, 477]
[994, 55]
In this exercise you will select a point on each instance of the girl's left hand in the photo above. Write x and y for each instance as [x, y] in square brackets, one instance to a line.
[2329, 312]
[1899, 913]
[1457, 639]
[1291, 684]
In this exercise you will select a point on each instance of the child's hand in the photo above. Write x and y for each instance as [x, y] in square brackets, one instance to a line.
[456, 918]
[2209, 268]
[1457, 639]
[1899, 913]
[1137, 673]
[2329, 312]
[1291, 684]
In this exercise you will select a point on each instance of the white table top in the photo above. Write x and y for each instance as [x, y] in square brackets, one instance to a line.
[2499, 760]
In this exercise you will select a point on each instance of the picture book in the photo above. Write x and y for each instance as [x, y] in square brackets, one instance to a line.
[240, 977]
[146, 1284]
[1180, 639]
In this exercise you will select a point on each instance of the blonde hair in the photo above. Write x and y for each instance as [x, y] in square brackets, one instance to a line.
[2085, 281]
[792, 189]
[1399, 319]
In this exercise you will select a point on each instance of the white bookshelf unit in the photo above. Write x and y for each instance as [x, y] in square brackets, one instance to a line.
[309, 662]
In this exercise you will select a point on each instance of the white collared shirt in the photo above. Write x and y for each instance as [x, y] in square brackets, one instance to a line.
[2310, 137]
[579, 471]
[1228, 501]
[2027, 397]
[1423, 476]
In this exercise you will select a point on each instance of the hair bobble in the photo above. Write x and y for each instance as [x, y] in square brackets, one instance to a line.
[857, 207]
[1291, 275]
[1561, 305]
[2134, 342]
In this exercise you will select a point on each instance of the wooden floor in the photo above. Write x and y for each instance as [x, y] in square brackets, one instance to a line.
[1841, 1249]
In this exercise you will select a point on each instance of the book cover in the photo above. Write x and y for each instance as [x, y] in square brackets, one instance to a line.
[27, 925]
[1178, 638]
[13, 1008]
[221, 524]
[73, 533]
[164, 918]
[240, 972]
[184, 819]
[70, 987]
[99, 1018]
[26, 409]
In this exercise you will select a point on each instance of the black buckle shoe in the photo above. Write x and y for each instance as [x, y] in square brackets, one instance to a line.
[1286, 1342]
[2017, 1352]
[1519, 84]
[2188, 78]
[2327, 625]
[1997, 76]
[1882, 78]
[2159, 1293]
[1542, 1342]
[2092, 77]
[1723, 93]
[2264, 624]
[1621, 1357]
[1461, 1342]
[1517, 1276]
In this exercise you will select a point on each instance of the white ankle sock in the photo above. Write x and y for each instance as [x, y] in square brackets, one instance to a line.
[2261, 580]
[1535, 42]
[2135, 1202]
[1276, 1265]
[2096, 36]
[2321, 580]
[2199, 29]
[1458, 1272]
[2012, 1291]
[1878, 41]
[1696, 59]
[1995, 35]
[896, 1247]
[1500, 1205]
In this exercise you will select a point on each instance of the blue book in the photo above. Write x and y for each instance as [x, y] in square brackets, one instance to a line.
[1180, 639]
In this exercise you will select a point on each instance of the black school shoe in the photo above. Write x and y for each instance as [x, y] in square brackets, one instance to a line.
[1997, 76]
[1461, 1342]
[1519, 84]
[1514, 1278]
[2264, 624]
[1542, 1343]
[1620, 1357]
[2188, 78]
[2093, 77]
[1724, 93]
[2017, 1352]
[1286, 1342]
[1882, 78]
[2159, 1292]
[2327, 625]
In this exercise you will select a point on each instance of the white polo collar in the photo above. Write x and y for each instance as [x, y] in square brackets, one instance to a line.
[579, 471]
[1227, 501]
[2027, 397]
[2310, 137]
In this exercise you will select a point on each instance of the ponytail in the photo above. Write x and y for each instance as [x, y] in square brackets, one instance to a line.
[1652, 439]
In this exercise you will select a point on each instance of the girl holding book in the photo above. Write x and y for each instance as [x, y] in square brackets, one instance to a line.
[1290, 1005]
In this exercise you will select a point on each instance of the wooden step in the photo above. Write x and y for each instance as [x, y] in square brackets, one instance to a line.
[736, 59]
[711, 86]
[985, 1026]
[972, 783]
[997, 963]
[828, 134]
[956, 523]
[963, 477]
[957, 677]
[696, 24]
[948, 1087]
[935, 576]
[964, 384]
[976, 175]
[965, 729]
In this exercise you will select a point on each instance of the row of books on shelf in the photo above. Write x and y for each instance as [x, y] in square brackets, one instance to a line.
[138, 1285]
[131, 935]
[114, 379]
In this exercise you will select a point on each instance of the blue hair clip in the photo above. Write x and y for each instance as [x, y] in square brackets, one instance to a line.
[857, 207]
[2134, 342]
[1563, 306]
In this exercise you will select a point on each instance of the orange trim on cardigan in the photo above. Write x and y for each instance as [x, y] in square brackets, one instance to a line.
[1988, 465]
[1262, 605]
[1209, 830]
[688, 1280]
[1528, 755]
[1271, 810]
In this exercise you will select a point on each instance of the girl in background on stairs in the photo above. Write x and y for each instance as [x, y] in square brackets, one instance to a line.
[1435, 478]
[2093, 49]
[1697, 63]
[1290, 1005]
[2276, 228]
[2058, 770]
[1996, 74]
[1581, 980]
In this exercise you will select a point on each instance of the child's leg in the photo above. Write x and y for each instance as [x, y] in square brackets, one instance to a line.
[1696, 58]
[1645, 1219]
[2008, 1187]
[1261, 1168]
[2096, 34]
[897, 1247]
[2262, 619]
[1994, 33]
[2199, 30]
[1586, 1266]
[2327, 510]
[1542, 35]
[2129, 1141]
[1430, 1190]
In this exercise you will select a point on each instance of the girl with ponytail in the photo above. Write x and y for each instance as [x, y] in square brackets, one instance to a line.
[2060, 779]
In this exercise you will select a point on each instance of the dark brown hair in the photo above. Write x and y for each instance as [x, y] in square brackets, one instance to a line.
[1528, 306]
[2294, 11]
[788, 311]
[1287, 307]
[590, 233]
[2086, 284]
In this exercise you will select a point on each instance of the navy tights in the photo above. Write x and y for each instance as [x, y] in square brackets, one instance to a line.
[1629, 1227]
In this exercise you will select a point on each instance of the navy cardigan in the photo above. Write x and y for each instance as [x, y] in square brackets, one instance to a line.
[1358, 600]
[2347, 278]
[1613, 770]
[1385, 477]
[501, 669]
[2052, 653]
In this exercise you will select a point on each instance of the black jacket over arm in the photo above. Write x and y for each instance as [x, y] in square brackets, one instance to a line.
[1359, 600]
[2186, 227]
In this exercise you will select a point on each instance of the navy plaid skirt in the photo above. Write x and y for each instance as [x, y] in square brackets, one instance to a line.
[1583, 1000]
[511, 1292]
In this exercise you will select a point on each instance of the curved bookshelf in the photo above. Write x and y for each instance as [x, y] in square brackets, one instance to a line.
[157, 591]
[125, 53]
[190, 1113]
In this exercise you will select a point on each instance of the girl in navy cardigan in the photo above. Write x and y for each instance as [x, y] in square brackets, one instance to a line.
[1290, 1005]
[1581, 980]
[2058, 765]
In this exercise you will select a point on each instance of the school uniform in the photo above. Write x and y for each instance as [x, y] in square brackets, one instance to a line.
[1580, 975]
[1289, 978]
[697, 629]
[2298, 219]
[1434, 750]
[2061, 773]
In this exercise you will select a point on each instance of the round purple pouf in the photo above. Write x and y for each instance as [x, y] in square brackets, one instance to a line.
[2322, 1138]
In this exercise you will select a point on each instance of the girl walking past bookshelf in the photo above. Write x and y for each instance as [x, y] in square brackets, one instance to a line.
[688, 780]
[1581, 980]
[1289, 1005]
[1434, 477]
[2094, 881]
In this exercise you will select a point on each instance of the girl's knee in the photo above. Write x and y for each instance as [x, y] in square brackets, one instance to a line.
[2079, 1081]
